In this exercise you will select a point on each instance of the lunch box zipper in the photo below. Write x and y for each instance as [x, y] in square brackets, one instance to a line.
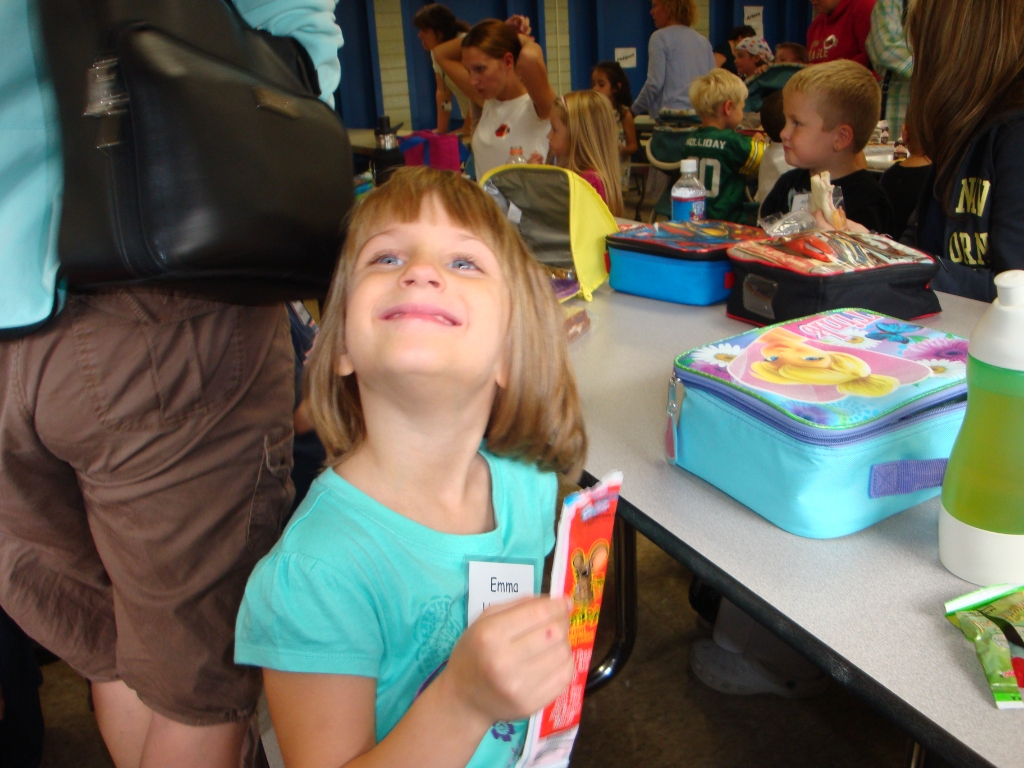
[932, 405]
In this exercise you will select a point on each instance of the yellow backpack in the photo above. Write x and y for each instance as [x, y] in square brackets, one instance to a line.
[559, 215]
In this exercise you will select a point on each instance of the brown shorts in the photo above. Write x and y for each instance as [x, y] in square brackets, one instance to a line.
[145, 448]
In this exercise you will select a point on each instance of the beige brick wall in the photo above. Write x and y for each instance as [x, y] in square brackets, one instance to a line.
[556, 32]
[394, 80]
[702, 17]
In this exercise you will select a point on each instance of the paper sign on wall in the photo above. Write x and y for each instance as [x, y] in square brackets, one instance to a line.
[753, 16]
[626, 57]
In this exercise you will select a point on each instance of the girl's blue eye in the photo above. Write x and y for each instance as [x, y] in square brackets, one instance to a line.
[387, 259]
[463, 263]
[812, 358]
[772, 358]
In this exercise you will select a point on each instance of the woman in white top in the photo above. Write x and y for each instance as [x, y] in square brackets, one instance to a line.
[436, 24]
[501, 68]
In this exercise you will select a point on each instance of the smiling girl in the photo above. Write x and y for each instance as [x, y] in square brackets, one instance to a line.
[442, 390]
[503, 69]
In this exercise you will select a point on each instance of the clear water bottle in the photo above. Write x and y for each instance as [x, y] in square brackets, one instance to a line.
[515, 157]
[688, 194]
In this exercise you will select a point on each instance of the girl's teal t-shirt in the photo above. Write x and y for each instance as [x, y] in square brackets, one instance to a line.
[354, 588]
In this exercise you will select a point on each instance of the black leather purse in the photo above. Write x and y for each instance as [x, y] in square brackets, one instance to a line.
[194, 157]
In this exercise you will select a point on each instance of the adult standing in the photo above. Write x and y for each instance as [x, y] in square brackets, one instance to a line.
[504, 67]
[839, 31]
[725, 53]
[436, 24]
[145, 443]
[971, 213]
[891, 58]
[676, 56]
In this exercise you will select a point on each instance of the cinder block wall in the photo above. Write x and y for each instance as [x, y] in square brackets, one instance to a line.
[556, 31]
[394, 81]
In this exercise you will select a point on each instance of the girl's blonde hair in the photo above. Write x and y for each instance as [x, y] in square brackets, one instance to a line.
[589, 118]
[536, 417]
[849, 374]
[948, 109]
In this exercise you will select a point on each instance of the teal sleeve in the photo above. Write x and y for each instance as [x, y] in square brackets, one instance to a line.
[312, 23]
[300, 614]
[549, 498]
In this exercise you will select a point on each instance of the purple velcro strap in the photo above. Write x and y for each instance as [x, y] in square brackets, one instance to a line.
[896, 477]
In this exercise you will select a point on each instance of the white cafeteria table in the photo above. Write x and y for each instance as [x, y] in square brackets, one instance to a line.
[867, 608]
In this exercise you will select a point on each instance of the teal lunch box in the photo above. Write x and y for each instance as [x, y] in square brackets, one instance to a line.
[823, 425]
[683, 262]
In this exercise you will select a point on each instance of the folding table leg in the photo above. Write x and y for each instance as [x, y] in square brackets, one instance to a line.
[624, 557]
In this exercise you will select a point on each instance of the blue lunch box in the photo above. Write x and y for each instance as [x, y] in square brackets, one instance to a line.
[823, 425]
[681, 262]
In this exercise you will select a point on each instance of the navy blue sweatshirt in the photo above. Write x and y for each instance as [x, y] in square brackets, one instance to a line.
[985, 234]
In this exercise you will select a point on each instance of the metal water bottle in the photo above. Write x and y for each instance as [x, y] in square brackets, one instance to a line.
[386, 156]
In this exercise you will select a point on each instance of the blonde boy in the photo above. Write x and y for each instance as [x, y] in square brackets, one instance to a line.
[726, 157]
[830, 112]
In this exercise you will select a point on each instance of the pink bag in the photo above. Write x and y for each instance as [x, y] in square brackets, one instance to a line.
[435, 150]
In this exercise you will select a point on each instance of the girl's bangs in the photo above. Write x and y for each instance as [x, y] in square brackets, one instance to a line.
[466, 205]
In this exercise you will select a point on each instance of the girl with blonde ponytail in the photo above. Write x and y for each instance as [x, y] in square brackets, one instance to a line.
[584, 138]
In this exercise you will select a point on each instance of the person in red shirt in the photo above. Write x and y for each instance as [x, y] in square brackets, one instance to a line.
[839, 30]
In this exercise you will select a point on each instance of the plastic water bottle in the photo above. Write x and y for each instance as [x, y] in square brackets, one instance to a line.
[515, 157]
[688, 194]
[981, 524]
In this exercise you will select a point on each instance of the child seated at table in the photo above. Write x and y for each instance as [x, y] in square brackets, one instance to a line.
[831, 110]
[790, 53]
[608, 78]
[904, 181]
[585, 139]
[753, 56]
[442, 389]
[726, 156]
[773, 163]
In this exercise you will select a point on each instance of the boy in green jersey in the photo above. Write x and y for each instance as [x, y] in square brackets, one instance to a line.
[725, 157]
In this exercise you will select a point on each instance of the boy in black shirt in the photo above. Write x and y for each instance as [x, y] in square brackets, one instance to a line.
[830, 111]
[903, 182]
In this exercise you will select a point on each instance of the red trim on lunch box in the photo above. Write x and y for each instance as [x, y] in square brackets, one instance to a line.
[748, 321]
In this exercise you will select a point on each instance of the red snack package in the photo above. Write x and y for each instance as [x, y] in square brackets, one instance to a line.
[578, 571]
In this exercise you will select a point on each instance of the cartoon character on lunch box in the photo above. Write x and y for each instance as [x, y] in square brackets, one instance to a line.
[586, 570]
[812, 371]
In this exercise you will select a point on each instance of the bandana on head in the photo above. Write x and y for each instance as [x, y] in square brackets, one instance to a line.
[757, 47]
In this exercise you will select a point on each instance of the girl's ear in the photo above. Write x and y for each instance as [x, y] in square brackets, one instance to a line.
[343, 365]
[509, 60]
[501, 375]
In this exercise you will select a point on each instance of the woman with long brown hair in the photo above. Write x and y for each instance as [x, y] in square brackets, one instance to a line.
[502, 69]
[967, 109]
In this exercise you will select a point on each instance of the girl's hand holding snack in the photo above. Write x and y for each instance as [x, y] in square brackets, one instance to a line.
[512, 661]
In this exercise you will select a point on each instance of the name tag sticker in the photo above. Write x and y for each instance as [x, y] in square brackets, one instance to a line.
[491, 583]
[801, 202]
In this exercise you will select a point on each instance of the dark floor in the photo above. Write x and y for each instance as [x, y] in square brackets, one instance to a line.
[655, 714]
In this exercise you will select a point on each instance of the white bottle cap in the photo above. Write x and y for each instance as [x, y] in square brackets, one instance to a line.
[688, 165]
[998, 338]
